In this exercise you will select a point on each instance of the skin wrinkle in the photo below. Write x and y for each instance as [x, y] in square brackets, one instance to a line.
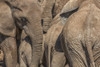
[88, 28]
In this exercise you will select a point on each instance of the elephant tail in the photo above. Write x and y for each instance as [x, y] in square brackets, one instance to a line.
[90, 54]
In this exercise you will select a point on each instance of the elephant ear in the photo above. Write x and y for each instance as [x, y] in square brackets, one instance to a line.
[71, 5]
[7, 26]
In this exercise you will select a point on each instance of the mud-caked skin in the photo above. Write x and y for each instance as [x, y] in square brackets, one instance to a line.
[28, 17]
[80, 35]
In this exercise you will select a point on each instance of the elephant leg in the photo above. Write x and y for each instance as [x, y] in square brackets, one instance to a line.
[22, 60]
[46, 55]
[10, 51]
[8, 57]
[12, 42]
[96, 53]
[58, 59]
[75, 54]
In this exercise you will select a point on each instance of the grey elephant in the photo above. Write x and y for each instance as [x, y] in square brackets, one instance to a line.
[27, 15]
[50, 42]
[80, 36]
[7, 35]
[25, 51]
[53, 50]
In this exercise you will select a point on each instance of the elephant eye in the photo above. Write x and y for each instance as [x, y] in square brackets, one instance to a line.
[24, 21]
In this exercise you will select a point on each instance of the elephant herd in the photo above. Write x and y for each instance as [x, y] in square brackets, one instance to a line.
[49, 33]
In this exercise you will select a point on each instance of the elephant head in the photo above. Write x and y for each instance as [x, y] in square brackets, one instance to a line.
[27, 16]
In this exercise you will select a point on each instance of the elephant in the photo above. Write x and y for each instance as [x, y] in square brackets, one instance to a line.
[50, 10]
[25, 51]
[80, 35]
[50, 42]
[7, 35]
[27, 16]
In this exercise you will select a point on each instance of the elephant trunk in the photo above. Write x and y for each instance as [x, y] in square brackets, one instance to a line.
[34, 30]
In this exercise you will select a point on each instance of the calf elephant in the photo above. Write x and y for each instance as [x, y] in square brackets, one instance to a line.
[25, 51]
[50, 42]
[80, 36]
[7, 35]
[27, 15]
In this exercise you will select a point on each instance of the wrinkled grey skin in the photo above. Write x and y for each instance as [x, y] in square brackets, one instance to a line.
[79, 36]
[53, 51]
[25, 51]
[28, 17]
[50, 42]
[7, 35]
